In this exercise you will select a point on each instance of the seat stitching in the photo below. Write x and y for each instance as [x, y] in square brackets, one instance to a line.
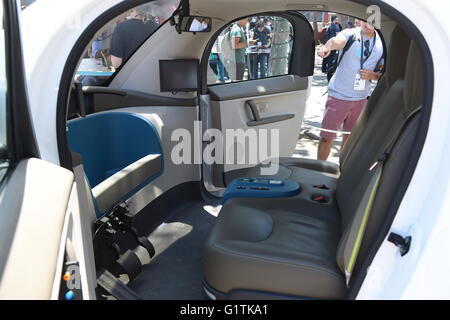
[298, 266]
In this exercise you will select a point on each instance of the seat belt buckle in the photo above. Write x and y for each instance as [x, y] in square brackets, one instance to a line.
[382, 158]
[403, 244]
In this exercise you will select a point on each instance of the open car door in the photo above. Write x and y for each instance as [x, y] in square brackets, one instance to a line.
[46, 250]
[261, 88]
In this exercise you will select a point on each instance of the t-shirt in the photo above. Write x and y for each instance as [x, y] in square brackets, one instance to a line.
[96, 47]
[129, 36]
[333, 30]
[237, 32]
[341, 85]
[262, 36]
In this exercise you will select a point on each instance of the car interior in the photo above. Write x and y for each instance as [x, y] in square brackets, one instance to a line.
[165, 230]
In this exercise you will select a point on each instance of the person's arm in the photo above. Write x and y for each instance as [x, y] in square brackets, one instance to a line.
[370, 75]
[269, 40]
[236, 44]
[116, 61]
[335, 43]
[117, 47]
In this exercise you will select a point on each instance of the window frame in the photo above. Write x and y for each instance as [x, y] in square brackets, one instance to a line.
[300, 44]
[71, 66]
[233, 22]
[109, 80]
[20, 139]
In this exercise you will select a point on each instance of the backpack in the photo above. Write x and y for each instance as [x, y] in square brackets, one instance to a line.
[337, 61]
[323, 35]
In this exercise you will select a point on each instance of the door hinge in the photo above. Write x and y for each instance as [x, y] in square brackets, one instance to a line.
[402, 243]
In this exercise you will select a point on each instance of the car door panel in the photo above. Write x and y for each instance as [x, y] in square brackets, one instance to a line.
[33, 207]
[39, 201]
[275, 103]
[101, 99]
[279, 103]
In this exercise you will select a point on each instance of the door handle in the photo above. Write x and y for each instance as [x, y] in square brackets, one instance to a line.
[258, 121]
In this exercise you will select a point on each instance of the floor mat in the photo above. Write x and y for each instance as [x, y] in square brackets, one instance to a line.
[176, 270]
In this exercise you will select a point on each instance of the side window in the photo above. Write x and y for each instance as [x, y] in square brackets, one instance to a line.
[114, 44]
[251, 48]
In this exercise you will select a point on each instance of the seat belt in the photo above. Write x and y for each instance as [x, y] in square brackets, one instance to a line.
[364, 209]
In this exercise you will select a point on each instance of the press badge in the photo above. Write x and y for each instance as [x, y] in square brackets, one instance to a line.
[360, 85]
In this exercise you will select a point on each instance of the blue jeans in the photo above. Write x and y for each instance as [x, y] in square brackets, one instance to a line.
[218, 67]
[259, 60]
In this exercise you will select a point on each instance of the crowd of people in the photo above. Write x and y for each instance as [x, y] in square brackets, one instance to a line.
[116, 43]
[246, 45]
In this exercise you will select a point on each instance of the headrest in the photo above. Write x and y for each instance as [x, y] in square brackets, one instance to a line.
[396, 57]
[414, 82]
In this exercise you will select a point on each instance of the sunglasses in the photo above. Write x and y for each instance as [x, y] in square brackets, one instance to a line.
[366, 48]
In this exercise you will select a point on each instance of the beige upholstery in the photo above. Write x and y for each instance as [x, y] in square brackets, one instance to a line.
[33, 207]
[124, 181]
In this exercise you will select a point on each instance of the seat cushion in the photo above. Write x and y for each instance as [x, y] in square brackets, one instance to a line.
[290, 168]
[273, 250]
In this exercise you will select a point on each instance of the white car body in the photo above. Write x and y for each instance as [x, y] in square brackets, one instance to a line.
[424, 213]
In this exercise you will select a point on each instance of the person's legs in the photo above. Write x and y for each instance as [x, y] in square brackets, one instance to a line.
[263, 60]
[324, 149]
[325, 65]
[213, 65]
[344, 140]
[336, 111]
[240, 70]
[253, 65]
[355, 111]
[220, 69]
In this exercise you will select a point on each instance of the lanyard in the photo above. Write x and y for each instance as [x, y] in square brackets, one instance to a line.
[364, 60]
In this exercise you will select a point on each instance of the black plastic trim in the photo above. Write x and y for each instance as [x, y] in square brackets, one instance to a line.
[105, 99]
[20, 135]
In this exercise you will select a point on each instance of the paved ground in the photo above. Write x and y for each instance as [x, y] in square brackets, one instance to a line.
[307, 146]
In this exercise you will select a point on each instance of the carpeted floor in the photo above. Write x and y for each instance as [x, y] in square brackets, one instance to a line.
[175, 273]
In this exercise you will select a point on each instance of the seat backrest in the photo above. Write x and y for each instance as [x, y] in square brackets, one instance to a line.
[395, 70]
[390, 113]
[394, 169]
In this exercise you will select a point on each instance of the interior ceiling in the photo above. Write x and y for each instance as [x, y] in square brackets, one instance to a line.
[231, 9]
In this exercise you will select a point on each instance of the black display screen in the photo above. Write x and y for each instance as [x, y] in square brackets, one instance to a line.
[179, 75]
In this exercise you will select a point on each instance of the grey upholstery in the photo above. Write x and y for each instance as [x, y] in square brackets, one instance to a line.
[295, 247]
[395, 70]
[290, 168]
[273, 251]
[260, 87]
